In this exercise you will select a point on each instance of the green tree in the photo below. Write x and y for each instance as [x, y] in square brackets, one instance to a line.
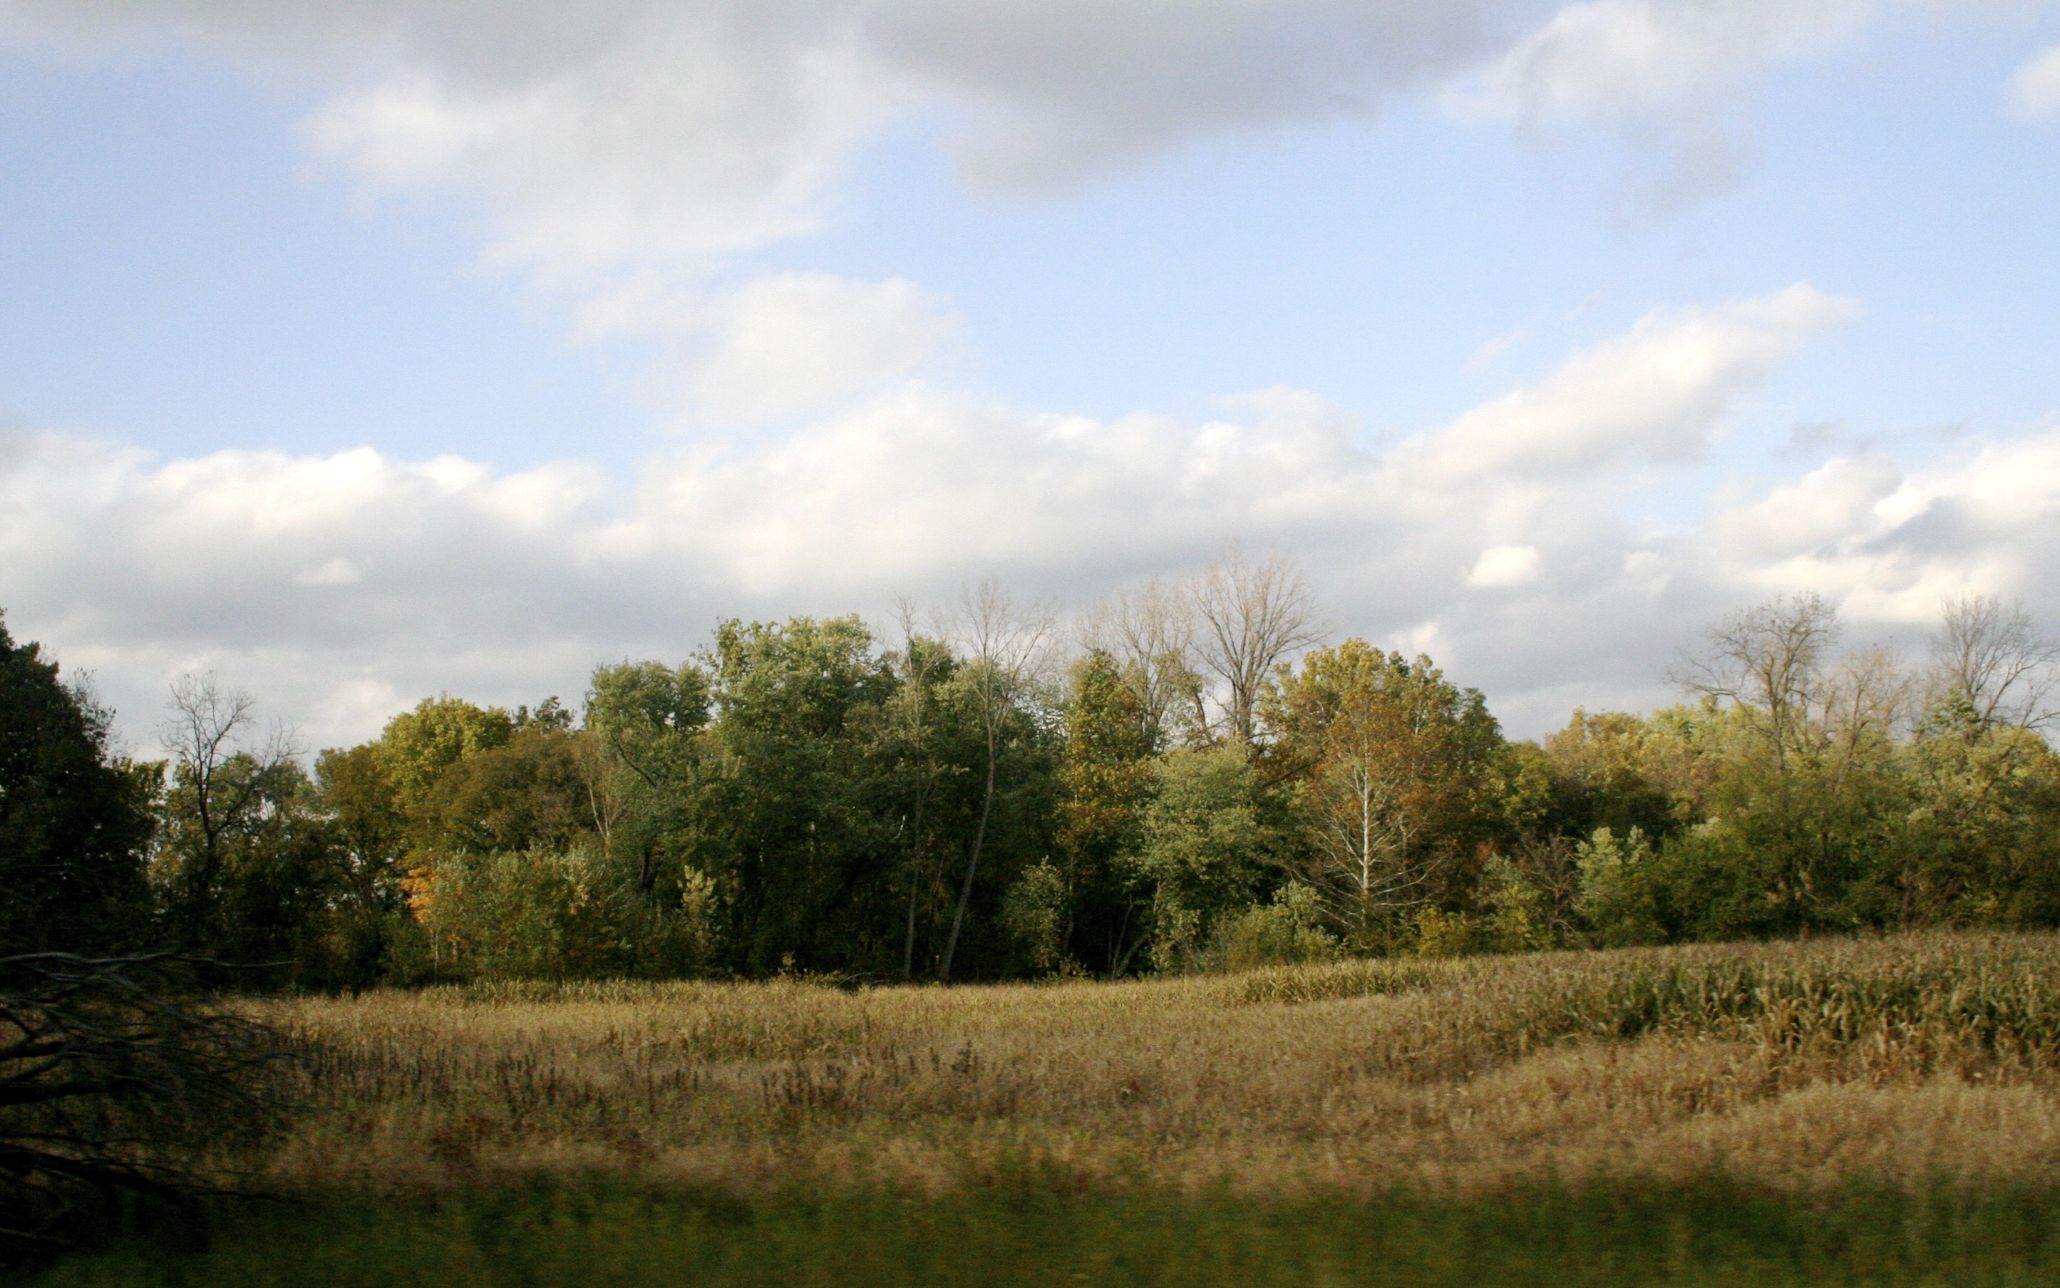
[1608, 769]
[790, 833]
[73, 822]
[369, 842]
[527, 793]
[641, 765]
[1808, 797]
[1105, 778]
[225, 809]
[418, 746]
[1395, 777]
[1208, 845]
[1006, 651]
[1981, 843]
[914, 743]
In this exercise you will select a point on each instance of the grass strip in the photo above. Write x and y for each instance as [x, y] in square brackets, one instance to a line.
[605, 1233]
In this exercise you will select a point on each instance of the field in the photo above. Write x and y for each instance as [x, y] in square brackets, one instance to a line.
[1880, 1111]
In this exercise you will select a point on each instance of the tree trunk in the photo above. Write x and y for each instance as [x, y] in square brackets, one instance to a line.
[965, 892]
[915, 885]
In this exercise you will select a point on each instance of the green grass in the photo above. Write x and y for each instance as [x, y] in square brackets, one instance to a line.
[1036, 1231]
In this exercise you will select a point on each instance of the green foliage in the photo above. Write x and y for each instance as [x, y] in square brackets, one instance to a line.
[1444, 934]
[795, 799]
[246, 867]
[560, 914]
[1398, 776]
[1979, 845]
[1034, 911]
[1288, 931]
[1616, 891]
[785, 829]
[1205, 848]
[529, 792]
[1106, 777]
[73, 823]
[418, 746]
[1516, 919]
[1620, 771]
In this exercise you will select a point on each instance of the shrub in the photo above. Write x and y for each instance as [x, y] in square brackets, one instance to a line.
[1285, 932]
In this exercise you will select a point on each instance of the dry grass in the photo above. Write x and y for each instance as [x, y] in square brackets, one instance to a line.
[1797, 1066]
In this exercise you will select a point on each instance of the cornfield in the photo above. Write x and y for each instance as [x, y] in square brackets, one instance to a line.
[1802, 1067]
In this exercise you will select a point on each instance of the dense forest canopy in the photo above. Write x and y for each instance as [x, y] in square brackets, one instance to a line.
[1198, 781]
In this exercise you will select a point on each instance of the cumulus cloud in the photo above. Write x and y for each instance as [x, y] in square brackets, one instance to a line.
[341, 588]
[624, 153]
[2034, 90]
[782, 345]
[1611, 59]
[673, 148]
[649, 130]
[642, 130]
[1668, 74]
[1892, 541]
[1655, 394]
[1500, 567]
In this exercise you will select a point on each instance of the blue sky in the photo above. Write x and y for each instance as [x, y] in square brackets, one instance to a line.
[361, 354]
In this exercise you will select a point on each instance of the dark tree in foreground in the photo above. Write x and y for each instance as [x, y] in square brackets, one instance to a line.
[72, 825]
[119, 1090]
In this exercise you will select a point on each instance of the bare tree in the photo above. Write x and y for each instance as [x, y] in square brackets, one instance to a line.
[1769, 660]
[1150, 631]
[1250, 617]
[203, 733]
[1364, 833]
[1008, 649]
[1988, 654]
[1863, 702]
[115, 1082]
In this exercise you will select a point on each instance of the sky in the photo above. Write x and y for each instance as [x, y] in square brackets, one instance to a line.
[359, 353]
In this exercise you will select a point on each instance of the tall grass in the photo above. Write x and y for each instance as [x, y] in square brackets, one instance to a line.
[1794, 1066]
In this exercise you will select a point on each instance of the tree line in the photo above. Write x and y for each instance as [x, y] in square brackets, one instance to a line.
[1200, 780]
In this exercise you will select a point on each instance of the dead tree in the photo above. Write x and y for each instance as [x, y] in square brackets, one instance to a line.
[119, 1087]
[1988, 655]
[1252, 616]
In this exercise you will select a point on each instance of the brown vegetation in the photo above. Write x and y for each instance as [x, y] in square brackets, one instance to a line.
[1800, 1066]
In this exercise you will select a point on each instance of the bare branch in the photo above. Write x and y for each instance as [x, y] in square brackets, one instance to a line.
[1251, 617]
[1150, 631]
[1768, 660]
[113, 1081]
[1988, 654]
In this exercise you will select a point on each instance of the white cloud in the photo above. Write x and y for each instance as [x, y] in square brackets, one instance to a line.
[333, 572]
[633, 131]
[1613, 59]
[1655, 394]
[2034, 90]
[674, 147]
[1668, 74]
[340, 588]
[1502, 567]
[1892, 542]
[787, 344]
